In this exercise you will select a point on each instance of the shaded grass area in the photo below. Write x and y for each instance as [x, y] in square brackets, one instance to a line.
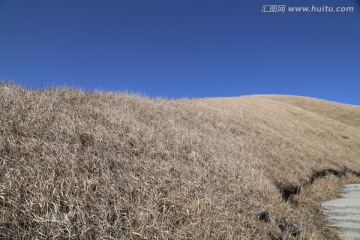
[99, 165]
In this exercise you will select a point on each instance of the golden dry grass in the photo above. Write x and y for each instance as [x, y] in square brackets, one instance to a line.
[76, 165]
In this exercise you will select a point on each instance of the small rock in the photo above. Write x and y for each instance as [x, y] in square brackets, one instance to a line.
[290, 226]
[261, 214]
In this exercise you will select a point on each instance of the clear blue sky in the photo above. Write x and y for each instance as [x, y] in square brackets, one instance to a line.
[182, 48]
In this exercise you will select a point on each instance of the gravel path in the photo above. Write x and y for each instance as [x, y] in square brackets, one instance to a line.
[344, 213]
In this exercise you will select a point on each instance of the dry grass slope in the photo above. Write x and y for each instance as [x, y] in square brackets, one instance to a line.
[76, 165]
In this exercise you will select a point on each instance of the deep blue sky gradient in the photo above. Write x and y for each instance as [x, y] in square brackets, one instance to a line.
[182, 48]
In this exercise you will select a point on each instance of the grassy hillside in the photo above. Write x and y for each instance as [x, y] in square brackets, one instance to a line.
[333, 110]
[78, 165]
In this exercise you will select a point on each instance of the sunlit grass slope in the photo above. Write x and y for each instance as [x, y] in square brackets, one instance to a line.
[76, 165]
